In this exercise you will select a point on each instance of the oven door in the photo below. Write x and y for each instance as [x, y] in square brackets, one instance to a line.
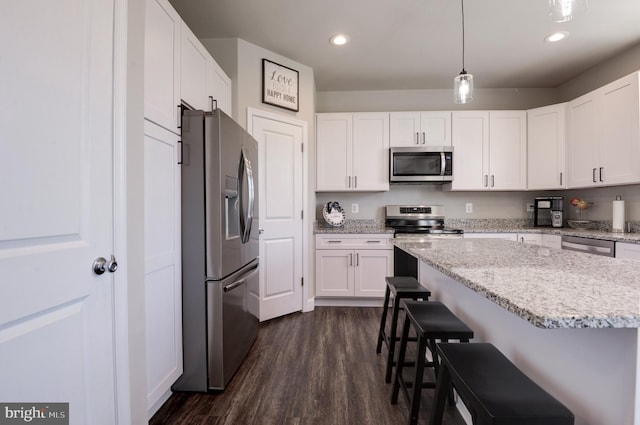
[421, 164]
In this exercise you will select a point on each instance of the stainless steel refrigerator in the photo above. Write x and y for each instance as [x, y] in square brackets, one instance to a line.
[219, 248]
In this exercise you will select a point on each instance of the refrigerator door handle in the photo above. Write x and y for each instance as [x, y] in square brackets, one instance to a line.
[242, 280]
[246, 221]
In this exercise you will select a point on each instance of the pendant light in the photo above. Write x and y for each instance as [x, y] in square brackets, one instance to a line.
[463, 83]
[566, 10]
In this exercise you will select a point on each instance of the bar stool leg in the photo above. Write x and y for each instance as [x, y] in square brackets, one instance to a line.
[443, 389]
[401, 356]
[417, 381]
[383, 320]
[392, 339]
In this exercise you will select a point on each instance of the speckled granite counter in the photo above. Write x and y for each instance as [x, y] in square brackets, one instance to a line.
[548, 288]
[353, 226]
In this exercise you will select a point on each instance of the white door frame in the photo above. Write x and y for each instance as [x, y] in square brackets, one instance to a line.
[308, 303]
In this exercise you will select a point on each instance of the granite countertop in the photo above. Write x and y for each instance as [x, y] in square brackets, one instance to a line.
[547, 287]
[353, 226]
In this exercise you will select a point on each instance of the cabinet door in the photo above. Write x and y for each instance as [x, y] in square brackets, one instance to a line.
[219, 86]
[193, 80]
[583, 141]
[507, 150]
[435, 128]
[371, 268]
[619, 139]
[470, 140]
[628, 251]
[334, 272]
[404, 129]
[162, 65]
[334, 135]
[546, 148]
[507, 236]
[552, 241]
[370, 152]
[530, 238]
[163, 270]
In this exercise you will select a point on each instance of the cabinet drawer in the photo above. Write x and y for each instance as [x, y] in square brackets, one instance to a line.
[346, 241]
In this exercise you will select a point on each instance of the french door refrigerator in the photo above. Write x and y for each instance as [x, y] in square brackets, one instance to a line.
[219, 248]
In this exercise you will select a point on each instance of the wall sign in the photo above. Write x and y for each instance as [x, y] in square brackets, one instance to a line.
[279, 85]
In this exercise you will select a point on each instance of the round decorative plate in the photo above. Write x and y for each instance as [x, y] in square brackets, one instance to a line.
[333, 214]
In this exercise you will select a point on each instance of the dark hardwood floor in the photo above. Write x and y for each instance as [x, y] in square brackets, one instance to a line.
[305, 369]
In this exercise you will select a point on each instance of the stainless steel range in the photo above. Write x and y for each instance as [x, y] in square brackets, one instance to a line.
[415, 221]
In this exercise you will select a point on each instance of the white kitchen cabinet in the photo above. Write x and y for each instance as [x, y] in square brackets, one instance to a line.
[530, 238]
[162, 67]
[219, 88]
[629, 251]
[352, 152]
[491, 235]
[163, 270]
[429, 128]
[353, 265]
[194, 60]
[546, 145]
[490, 150]
[604, 135]
[551, 241]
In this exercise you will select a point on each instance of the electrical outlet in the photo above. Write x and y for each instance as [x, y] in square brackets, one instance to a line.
[468, 207]
[529, 207]
[354, 208]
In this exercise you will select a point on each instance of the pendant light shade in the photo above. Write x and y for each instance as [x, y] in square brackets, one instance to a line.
[566, 10]
[463, 83]
[463, 88]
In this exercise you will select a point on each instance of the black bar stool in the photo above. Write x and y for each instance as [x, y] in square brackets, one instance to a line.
[431, 321]
[494, 390]
[402, 287]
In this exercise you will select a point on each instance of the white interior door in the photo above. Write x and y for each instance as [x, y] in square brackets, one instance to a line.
[56, 314]
[280, 210]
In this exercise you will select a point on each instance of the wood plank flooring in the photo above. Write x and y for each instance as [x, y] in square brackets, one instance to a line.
[313, 368]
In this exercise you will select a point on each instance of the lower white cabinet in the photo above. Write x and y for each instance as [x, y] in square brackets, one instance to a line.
[497, 235]
[350, 265]
[532, 238]
[551, 241]
[629, 251]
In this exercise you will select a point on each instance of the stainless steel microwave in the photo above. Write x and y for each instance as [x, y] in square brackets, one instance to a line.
[421, 164]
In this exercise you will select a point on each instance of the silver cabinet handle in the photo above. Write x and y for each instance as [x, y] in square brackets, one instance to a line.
[486, 180]
[351, 259]
[179, 117]
[211, 102]
[417, 138]
[424, 138]
[561, 179]
[334, 241]
[373, 241]
[357, 259]
[601, 168]
[522, 239]
[492, 180]
[593, 174]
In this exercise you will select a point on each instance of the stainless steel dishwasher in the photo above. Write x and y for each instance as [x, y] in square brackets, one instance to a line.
[590, 246]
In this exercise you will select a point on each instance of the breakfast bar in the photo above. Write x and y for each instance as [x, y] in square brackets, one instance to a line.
[568, 320]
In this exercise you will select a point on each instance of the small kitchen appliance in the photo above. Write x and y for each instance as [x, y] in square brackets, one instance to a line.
[548, 211]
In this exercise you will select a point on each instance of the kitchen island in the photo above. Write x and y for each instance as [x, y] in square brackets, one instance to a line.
[568, 320]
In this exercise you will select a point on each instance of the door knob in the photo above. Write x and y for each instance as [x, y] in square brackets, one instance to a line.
[99, 265]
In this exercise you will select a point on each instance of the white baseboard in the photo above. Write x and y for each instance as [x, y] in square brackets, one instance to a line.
[349, 302]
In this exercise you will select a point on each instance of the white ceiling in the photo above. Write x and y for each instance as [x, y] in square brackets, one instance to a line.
[417, 44]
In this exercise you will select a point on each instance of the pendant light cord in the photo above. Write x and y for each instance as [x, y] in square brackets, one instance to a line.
[463, 70]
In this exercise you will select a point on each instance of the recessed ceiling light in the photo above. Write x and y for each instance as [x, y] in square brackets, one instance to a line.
[339, 39]
[556, 36]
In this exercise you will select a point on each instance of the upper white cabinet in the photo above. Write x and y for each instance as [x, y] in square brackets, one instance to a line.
[218, 87]
[604, 135]
[162, 66]
[490, 150]
[352, 152]
[193, 79]
[420, 128]
[546, 143]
